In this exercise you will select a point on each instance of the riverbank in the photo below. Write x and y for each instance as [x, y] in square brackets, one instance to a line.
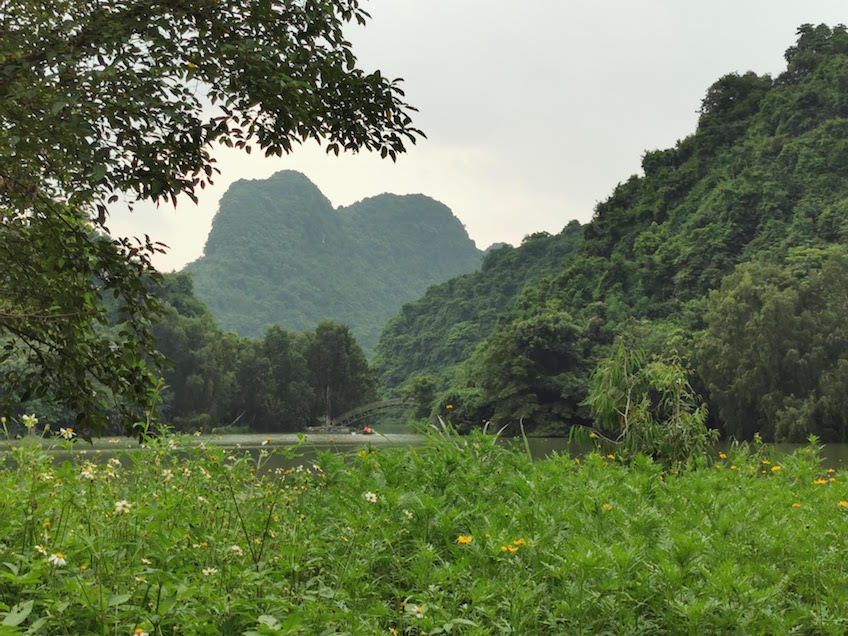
[459, 534]
[311, 443]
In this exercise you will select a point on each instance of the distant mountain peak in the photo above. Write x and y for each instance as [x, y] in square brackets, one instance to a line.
[279, 253]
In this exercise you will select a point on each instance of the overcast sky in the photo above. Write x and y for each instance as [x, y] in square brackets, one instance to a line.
[534, 110]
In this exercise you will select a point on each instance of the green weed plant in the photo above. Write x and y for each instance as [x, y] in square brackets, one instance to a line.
[462, 535]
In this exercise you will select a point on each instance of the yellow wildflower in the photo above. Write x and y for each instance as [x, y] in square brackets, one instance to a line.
[607, 506]
[610, 456]
[820, 482]
[722, 455]
[464, 538]
[512, 548]
[774, 469]
[796, 505]
[519, 541]
[843, 504]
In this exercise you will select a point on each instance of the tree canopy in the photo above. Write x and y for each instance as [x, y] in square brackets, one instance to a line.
[285, 381]
[436, 333]
[119, 99]
[726, 255]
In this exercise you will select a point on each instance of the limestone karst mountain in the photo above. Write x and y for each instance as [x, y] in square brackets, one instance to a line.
[279, 253]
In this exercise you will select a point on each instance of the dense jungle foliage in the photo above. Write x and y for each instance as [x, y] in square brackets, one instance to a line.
[278, 253]
[123, 101]
[436, 333]
[285, 381]
[212, 379]
[730, 251]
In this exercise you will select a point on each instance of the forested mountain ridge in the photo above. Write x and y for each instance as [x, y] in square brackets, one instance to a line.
[432, 335]
[730, 251]
[278, 253]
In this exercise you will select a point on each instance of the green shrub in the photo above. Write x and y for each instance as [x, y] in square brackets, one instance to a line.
[649, 407]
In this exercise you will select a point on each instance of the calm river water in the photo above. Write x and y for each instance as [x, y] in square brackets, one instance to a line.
[835, 455]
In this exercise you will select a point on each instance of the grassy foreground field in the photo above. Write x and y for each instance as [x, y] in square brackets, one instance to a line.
[458, 536]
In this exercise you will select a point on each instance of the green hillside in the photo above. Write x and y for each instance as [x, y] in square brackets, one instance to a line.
[437, 332]
[278, 253]
[730, 251]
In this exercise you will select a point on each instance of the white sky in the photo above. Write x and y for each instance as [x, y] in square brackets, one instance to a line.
[534, 110]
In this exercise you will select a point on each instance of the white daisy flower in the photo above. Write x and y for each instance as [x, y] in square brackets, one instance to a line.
[30, 421]
[57, 559]
[370, 497]
[122, 507]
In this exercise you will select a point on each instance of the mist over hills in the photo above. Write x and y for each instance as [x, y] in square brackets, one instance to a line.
[279, 253]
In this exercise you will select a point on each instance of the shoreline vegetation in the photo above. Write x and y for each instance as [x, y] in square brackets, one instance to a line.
[459, 535]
